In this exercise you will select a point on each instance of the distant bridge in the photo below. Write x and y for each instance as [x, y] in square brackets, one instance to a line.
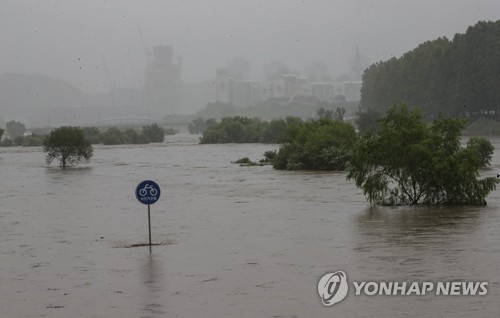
[123, 121]
[139, 121]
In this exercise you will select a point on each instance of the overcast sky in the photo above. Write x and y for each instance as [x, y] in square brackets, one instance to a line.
[78, 40]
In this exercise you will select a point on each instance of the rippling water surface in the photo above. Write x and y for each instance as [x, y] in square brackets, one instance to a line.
[235, 241]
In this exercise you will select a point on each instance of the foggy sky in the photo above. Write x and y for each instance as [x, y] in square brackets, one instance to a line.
[77, 40]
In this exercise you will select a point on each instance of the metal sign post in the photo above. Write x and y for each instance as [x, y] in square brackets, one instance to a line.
[149, 223]
[148, 192]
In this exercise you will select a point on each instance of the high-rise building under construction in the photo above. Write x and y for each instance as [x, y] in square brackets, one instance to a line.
[163, 82]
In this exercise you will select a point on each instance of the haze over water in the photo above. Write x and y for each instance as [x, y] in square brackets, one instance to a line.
[236, 241]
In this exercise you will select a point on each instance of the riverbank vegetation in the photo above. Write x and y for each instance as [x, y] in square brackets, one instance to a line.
[404, 161]
[247, 130]
[254, 130]
[15, 136]
[246, 162]
[114, 136]
[323, 144]
[408, 162]
[111, 136]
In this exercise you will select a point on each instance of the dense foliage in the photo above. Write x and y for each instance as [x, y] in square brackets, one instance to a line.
[199, 125]
[323, 144]
[29, 141]
[154, 133]
[68, 146]
[367, 119]
[408, 162]
[116, 136]
[15, 129]
[111, 136]
[484, 149]
[32, 140]
[458, 78]
[247, 130]
[92, 134]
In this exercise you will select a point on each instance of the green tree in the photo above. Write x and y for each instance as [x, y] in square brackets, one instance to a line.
[458, 77]
[18, 141]
[199, 125]
[323, 144]
[339, 114]
[274, 131]
[113, 136]
[325, 113]
[247, 130]
[133, 137]
[92, 134]
[170, 131]
[1, 133]
[6, 143]
[229, 129]
[32, 141]
[367, 120]
[15, 129]
[407, 162]
[154, 133]
[484, 149]
[68, 146]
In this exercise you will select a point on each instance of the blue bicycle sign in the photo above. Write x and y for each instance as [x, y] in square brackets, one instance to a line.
[147, 192]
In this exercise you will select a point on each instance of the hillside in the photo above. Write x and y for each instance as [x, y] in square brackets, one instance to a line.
[20, 92]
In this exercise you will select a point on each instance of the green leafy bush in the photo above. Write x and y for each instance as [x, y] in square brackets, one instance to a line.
[323, 144]
[154, 133]
[92, 134]
[68, 146]
[247, 130]
[113, 136]
[407, 162]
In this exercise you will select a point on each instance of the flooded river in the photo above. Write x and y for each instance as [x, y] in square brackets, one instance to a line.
[235, 241]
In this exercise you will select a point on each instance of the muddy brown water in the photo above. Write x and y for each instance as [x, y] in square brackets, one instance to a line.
[233, 241]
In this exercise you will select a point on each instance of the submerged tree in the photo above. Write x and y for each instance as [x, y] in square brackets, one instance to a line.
[92, 134]
[68, 146]
[484, 149]
[113, 136]
[408, 162]
[199, 125]
[15, 129]
[154, 133]
[247, 130]
[367, 119]
[323, 144]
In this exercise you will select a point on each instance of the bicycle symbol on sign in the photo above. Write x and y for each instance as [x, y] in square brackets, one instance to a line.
[147, 192]
[144, 191]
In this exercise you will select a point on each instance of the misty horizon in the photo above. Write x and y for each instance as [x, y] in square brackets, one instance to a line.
[99, 45]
